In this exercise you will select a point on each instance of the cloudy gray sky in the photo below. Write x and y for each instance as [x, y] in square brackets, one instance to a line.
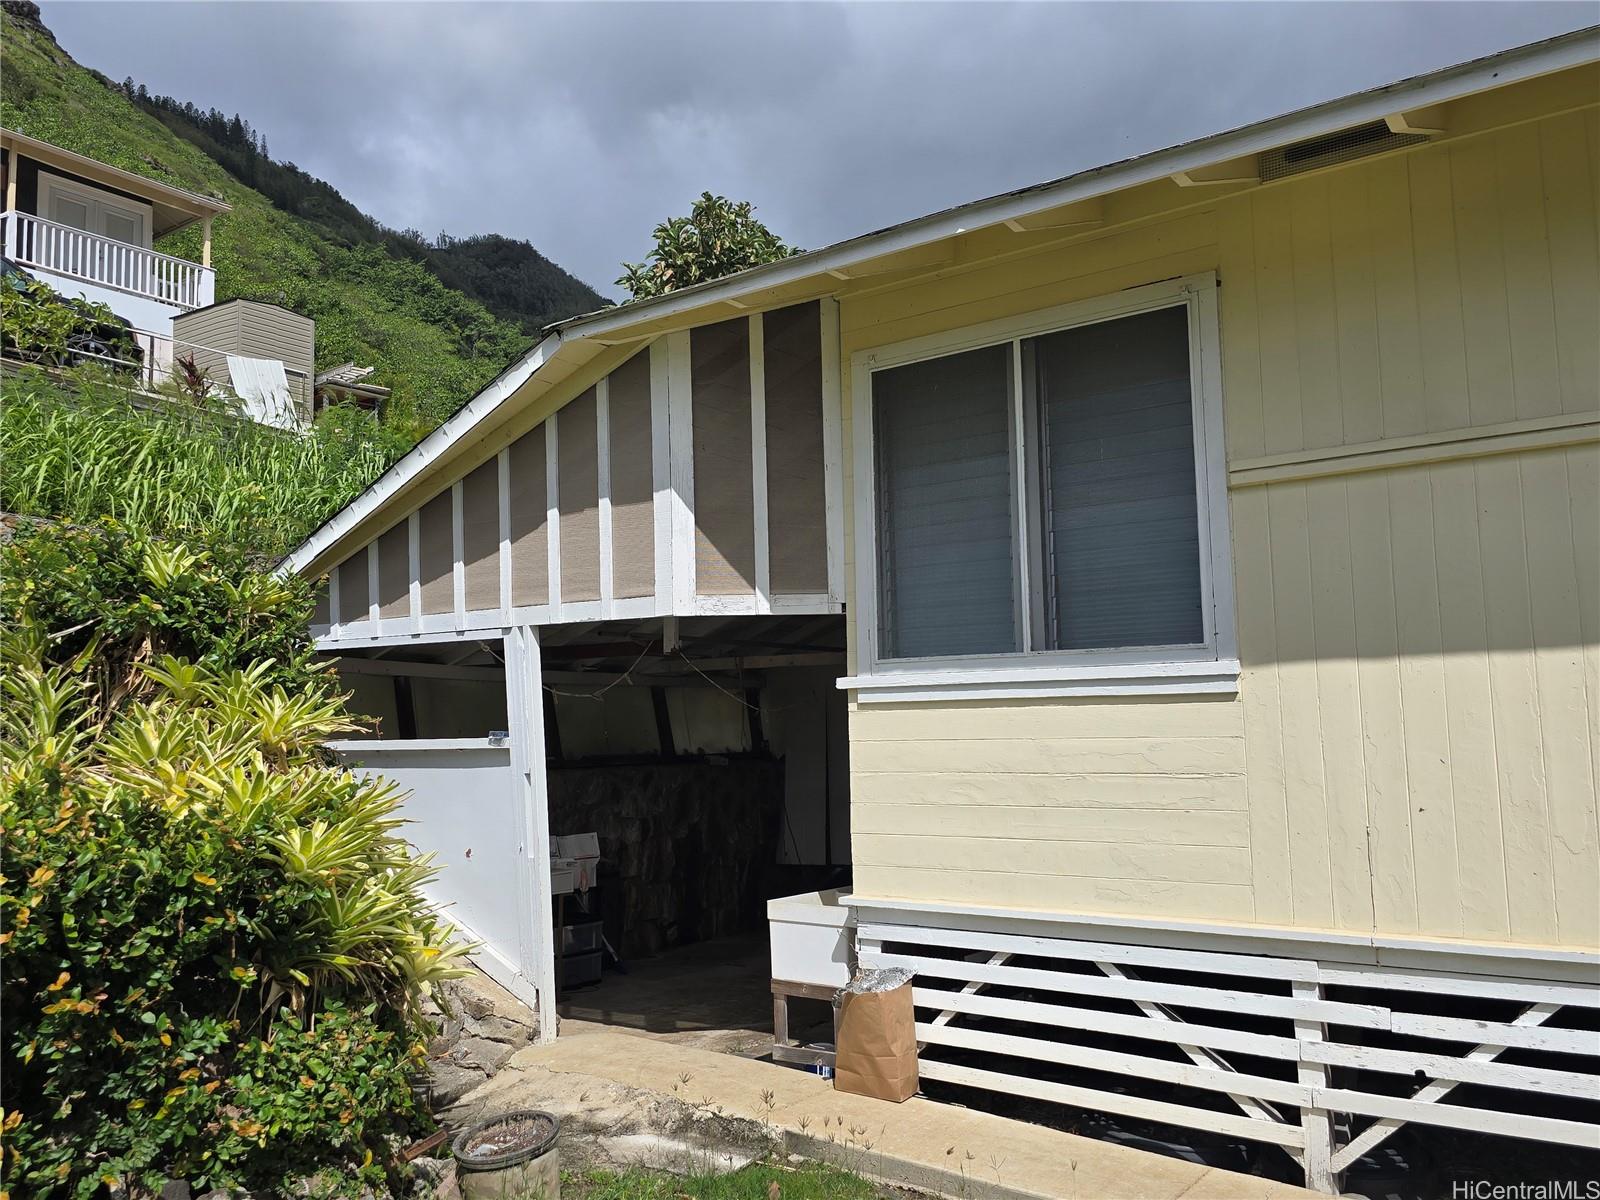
[579, 127]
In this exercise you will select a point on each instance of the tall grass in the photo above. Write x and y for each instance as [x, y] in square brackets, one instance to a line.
[83, 451]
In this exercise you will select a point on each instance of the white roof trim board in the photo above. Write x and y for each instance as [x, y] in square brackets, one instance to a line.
[1423, 91]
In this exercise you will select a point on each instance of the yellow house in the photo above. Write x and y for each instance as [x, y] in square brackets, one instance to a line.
[1213, 543]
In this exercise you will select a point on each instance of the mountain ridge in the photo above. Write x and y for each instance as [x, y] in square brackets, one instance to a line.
[380, 297]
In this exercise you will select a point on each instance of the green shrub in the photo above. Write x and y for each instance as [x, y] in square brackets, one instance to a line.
[124, 598]
[85, 451]
[215, 944]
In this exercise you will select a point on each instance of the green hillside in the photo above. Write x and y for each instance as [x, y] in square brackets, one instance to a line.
[374, 303]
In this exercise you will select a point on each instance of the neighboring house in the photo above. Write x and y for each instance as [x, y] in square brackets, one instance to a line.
[1215, 540]
[88, 229]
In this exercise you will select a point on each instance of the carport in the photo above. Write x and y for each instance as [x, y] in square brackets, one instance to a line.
[605, 598]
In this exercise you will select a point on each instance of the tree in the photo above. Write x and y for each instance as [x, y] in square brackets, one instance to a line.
[717, 238]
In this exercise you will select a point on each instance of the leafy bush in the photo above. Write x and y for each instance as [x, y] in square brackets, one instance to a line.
[717, 238]
[215, 943]
[86, 451]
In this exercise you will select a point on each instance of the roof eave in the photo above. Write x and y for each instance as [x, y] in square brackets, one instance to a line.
[1451, 83]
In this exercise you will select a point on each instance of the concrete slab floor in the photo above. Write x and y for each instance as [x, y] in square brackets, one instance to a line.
[714, 995]
[620, 1082]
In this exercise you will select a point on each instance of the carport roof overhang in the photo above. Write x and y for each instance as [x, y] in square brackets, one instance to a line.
[569, 345]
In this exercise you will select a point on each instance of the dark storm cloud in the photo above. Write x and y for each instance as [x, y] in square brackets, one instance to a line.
[579, 127]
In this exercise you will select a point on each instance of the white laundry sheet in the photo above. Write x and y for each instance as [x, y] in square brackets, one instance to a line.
[262, 386]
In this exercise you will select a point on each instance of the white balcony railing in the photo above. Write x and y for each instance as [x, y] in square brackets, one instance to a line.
[32, 241]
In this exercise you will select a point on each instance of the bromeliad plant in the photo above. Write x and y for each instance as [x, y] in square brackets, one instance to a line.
[215, 943]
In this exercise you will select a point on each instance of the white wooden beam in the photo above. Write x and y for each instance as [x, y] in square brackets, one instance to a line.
[662, 500]
[552, 515]
[458, 542]
[419, 670]
[762, 528]
[1315, 1123]
[1380, 1130]
[1427, 120]
[535, 919]
[832, 447]
[602, 441]
[414, 568]
[372, 581]
[1086, 214]
[680, 425]
[1234, 170]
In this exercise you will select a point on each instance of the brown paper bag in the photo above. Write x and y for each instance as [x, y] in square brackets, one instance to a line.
[877, 1045]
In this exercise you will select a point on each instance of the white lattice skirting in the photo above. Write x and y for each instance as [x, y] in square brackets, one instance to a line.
[1324, 1058]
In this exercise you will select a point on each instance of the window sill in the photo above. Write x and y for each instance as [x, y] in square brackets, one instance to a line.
[1210, 677]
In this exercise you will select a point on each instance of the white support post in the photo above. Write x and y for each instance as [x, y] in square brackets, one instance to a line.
[680, 426]
[458, 540]
[414, 570]
[833, 447]
[372, 583]
[535, 919]
[1315, 1123]
[503, 492]
[552, 514]
[758, 463]
[602, 440]
[335, 613]
[661, 473]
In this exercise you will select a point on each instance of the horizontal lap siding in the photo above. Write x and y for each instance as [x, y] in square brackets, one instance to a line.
[1415, 748]
[1051, 804]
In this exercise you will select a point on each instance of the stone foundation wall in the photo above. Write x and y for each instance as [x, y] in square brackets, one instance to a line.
[687, 849]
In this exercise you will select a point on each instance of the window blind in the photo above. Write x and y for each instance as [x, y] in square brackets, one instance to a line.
[945, 520]
[1121, 541]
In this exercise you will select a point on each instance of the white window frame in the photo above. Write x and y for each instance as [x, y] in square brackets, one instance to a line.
[1209, 666]
[95, 198]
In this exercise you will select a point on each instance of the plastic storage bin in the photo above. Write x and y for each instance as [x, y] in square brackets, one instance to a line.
[581, 937]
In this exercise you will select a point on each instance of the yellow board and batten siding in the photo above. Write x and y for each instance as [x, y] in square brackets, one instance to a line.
[1410, 381]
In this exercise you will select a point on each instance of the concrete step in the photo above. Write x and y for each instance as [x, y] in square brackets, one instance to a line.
[921, 1144]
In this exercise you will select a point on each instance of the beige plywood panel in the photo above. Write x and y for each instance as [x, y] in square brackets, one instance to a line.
[578, 484]
[633, 555]
[796, 501]
[1241, 365]
[530, 515]
[436, 555]
[394, 572]
[1475, 794]
[1571, 179]
[1263, 731]
[480, 536]
[1556, 525]
[355, 589]
[725, 557]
